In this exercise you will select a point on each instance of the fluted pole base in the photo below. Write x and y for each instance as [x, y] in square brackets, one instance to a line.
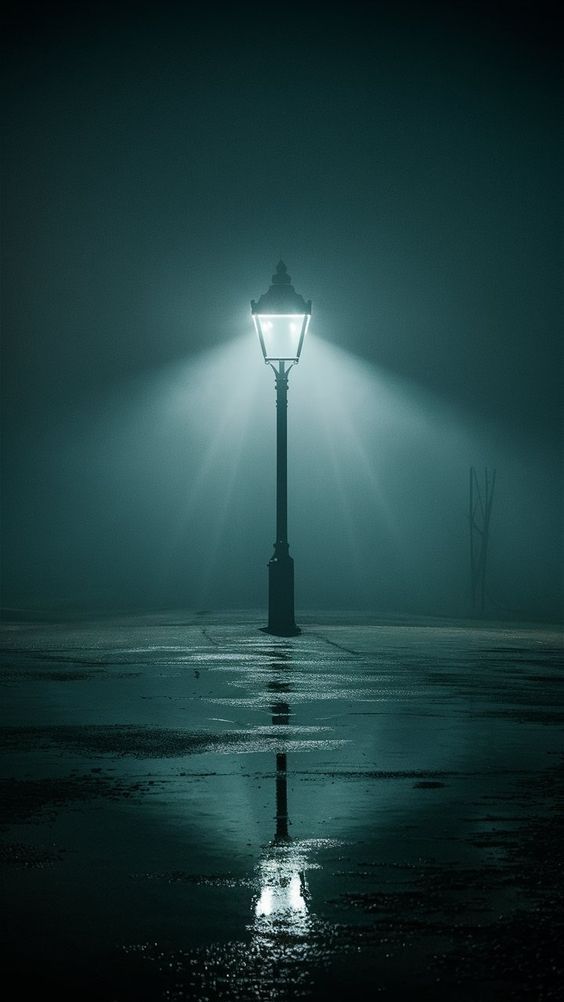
[281, 621]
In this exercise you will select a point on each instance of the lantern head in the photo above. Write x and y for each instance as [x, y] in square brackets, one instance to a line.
[281, 319]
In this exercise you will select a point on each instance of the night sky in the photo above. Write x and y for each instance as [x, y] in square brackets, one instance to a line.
[404, 160]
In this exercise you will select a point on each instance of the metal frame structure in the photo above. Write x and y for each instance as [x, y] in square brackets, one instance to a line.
[479, 516]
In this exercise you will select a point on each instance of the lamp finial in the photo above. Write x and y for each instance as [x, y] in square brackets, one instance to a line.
[281, 277]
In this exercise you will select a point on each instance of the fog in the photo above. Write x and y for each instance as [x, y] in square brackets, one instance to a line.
[404, 163]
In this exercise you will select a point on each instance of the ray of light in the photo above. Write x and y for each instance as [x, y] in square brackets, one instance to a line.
[183, 464]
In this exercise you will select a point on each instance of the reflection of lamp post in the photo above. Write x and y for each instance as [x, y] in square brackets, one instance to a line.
[280, 715]
[281, 906]
[281, 318]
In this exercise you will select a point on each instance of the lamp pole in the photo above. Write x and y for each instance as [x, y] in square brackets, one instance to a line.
[281, 319]
[281, 565]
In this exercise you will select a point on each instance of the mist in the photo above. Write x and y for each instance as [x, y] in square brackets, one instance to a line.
[405, 164]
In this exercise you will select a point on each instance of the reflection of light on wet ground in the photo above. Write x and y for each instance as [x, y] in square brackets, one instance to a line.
[283, 890]
[283, 926]
[427, 794]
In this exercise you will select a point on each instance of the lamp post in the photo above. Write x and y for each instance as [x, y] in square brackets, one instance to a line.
[281, 319]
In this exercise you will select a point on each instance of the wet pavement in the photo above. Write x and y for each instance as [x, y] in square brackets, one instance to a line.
[192, 809]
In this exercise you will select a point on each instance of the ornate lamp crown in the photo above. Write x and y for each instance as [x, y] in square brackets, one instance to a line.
[281, 298]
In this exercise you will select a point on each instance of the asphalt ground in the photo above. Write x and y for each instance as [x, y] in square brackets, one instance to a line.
[192, 809]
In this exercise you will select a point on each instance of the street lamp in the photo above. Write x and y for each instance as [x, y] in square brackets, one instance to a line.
[281, 319]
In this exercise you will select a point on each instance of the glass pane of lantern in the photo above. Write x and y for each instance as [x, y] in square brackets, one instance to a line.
[281, 333]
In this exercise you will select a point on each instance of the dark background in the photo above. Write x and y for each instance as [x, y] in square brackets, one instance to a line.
[404, 161]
